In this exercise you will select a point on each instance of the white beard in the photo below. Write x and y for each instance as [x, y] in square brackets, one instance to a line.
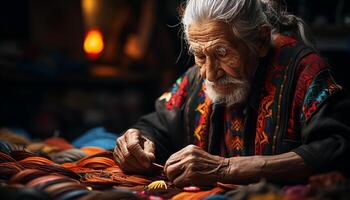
[237, 95]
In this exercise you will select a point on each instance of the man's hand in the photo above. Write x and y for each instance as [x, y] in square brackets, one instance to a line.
[193, 166]
[134, 153]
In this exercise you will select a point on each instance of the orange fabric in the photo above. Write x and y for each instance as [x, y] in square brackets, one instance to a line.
[36, 159]
[92, 150]
[96, 162]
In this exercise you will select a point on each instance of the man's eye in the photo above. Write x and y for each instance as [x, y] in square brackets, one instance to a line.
[221, 51]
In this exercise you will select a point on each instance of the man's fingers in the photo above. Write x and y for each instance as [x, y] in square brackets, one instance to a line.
[122, 145]
[129, 163]
[171, 160]
[117, 156]
[175, 165]
[131, 133]
[136, 150]
[176, 157]
[149, 149]
[182, 180]
[148, 145]
[122, 151]
[174, 170]
[132, 164]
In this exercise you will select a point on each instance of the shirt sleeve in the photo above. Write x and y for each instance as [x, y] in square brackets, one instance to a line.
[325, 132]
[165, 125]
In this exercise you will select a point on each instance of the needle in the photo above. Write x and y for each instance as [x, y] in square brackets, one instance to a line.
[158, 166]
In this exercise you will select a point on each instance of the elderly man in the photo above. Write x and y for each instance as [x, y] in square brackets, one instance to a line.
[259, 103]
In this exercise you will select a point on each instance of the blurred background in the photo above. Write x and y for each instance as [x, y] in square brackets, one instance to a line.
[67, 66]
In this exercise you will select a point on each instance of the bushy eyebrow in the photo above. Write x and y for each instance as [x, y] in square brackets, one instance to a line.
[216, 45]
[193, 50]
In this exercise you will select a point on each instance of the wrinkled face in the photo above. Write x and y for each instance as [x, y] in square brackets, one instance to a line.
[225, 62]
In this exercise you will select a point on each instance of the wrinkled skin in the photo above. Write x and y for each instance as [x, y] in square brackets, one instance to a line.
[193, 166]
[134, 153]
[217, 53]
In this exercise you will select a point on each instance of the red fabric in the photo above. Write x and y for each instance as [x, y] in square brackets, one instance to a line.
[267, 100]
[59, 142]
[178, 97]
[308, 68]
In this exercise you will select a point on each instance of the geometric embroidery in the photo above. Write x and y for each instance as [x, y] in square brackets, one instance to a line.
[234, 132]
[237, 143]
[236, 125]
[177, 94]
[260, 141]
[203, 112]
[320, 89]
[267, 109]
[264, 124]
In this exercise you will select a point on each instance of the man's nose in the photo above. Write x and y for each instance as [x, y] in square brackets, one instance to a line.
[211, 70]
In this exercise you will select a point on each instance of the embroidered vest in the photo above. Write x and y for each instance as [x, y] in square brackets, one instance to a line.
[245, 131]
[279, 105]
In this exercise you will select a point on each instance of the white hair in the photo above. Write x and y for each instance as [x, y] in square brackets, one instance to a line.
[245, 18]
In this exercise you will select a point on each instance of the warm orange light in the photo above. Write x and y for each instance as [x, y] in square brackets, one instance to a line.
[91, 10]
[104, 71]
[93, 43]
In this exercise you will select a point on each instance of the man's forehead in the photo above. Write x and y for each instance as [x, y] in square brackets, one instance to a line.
[208, 33]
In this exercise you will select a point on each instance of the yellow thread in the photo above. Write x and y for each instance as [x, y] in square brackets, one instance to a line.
[157, 185]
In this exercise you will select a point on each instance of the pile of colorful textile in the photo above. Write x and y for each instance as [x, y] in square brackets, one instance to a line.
[55, 169]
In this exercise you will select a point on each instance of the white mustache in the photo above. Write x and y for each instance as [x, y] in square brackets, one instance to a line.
[227, 80]
[234, 96]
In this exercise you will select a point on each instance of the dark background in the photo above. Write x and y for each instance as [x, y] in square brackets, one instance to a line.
[48, 84]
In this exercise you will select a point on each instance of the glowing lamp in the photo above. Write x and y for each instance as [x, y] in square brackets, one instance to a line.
[93, 44]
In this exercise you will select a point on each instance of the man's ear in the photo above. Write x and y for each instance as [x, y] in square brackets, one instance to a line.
[264, 40]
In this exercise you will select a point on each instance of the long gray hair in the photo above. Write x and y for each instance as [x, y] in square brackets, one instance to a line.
[245, 17]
